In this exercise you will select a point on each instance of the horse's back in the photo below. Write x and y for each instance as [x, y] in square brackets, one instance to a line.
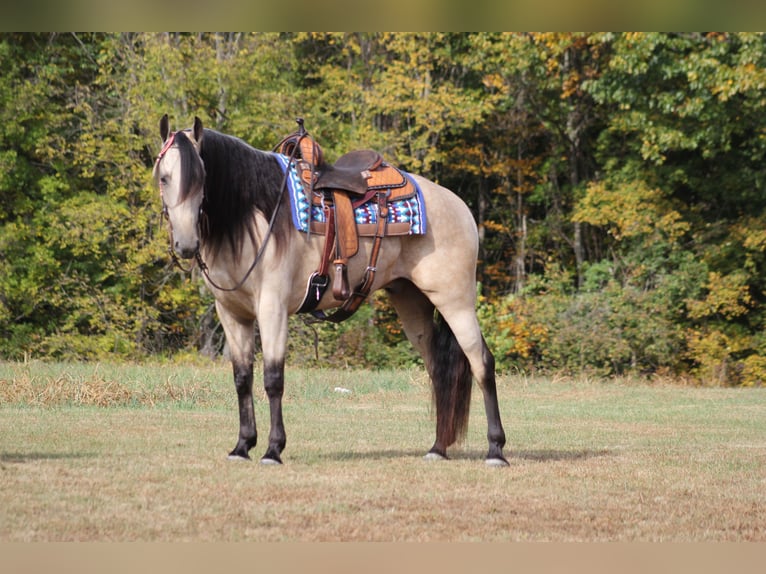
[447, 212]
[450, 224]
[447, 253]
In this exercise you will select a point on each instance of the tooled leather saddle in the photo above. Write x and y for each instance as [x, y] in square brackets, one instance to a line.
[356, 178]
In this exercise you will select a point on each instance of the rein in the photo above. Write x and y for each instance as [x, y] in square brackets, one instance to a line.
[206, 271]
[198, 256]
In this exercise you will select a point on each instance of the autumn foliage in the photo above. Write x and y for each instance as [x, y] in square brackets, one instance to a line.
[617, 181]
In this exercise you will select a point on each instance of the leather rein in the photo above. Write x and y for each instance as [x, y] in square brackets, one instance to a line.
[198, 255]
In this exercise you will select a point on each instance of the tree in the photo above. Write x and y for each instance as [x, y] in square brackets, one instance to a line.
[616, 181]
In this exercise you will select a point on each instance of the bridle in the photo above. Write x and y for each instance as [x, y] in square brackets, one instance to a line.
[198, 255]
[165, 213]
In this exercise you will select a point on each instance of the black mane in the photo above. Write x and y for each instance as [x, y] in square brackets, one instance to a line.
[192, 173]
[239, 180]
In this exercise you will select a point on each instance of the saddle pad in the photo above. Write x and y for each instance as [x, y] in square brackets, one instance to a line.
[406, 216]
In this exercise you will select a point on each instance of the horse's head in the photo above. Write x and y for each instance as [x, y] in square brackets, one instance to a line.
[180, 174]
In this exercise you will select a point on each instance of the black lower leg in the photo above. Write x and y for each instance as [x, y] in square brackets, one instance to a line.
[248, 436]
[274, 384]
[495, 432]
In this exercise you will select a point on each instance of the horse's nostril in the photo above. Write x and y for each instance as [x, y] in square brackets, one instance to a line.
[186, 251]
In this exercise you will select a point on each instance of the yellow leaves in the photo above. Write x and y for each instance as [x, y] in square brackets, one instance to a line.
[524, 335]
[754, 371]
[494, 226]
[511, 326]
[714, 353]
[755, 239]
[634, 37]
[710, 349]
[495, 83]
[728, 296]
[629, 210]
[727, 81]
[716, 346]
[752, 233]
[570, 85]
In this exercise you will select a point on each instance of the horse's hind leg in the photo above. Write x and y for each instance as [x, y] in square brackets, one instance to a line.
[465, 331]
[415, 312]
[450, 369]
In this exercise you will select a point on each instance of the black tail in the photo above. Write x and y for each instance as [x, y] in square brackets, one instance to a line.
[452, 380]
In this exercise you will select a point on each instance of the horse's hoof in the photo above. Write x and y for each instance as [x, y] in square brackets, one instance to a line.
[434, 456]
[497, 462]
[238, 457]
[270, 461]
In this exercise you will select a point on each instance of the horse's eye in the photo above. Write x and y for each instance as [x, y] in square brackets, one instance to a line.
[164, 180]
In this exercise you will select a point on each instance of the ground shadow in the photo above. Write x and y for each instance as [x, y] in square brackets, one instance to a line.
[552, 455]
[538, 455]
[372, 455]
[21, 457]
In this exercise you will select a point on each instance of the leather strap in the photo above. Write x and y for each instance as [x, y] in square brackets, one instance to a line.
[320, 279]
[362, 290]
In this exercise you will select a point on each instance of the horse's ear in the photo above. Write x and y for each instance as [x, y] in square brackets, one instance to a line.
[198, 130]
[164, 128]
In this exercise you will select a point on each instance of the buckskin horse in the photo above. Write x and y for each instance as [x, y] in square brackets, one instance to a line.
[228, 207]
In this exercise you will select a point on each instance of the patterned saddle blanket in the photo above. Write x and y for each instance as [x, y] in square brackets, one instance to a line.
[406, 213]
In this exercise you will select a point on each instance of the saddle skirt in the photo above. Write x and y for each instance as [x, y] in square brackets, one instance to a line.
[406, 206]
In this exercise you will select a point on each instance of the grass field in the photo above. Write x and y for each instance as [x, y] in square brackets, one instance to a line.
[98, 452]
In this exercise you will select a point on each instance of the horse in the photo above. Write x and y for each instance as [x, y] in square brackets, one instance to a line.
[225, 204]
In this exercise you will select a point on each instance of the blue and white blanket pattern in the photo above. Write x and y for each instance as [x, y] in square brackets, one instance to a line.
[412, 210]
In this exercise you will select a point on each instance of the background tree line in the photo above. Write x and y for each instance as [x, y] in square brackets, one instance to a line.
[617, 179]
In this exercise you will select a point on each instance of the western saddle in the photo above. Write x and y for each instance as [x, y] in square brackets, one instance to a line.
[354, 179]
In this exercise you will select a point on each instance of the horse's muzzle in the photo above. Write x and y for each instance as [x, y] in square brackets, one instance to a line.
[186, 250]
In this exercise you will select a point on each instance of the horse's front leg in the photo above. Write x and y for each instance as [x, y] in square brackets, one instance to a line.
[248, 435]
[274, 383]
[272, 322]
[240, 338]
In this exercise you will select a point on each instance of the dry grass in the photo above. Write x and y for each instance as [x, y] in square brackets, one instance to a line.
[96, 385]
[138, 453]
